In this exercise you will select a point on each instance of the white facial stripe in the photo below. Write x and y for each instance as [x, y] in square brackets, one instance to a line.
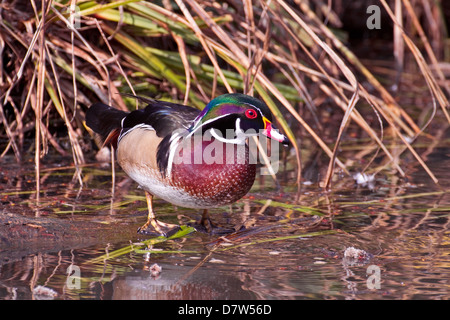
[260, 112]
[241, 136]
[206, 122]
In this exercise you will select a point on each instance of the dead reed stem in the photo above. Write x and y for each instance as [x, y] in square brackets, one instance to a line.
[57, 59]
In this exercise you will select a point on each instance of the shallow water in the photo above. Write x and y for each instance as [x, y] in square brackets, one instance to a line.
[287, 252]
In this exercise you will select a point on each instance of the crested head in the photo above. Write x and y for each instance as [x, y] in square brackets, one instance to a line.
[242, 114]
[230, 103]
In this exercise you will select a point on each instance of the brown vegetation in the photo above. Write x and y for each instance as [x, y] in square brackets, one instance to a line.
[300, 57]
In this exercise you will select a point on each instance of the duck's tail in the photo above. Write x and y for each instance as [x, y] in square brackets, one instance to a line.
[106, 122]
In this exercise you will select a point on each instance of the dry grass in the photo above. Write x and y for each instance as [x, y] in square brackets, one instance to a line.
[54, 64]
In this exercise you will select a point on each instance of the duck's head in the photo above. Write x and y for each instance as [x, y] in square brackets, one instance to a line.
[239, 114]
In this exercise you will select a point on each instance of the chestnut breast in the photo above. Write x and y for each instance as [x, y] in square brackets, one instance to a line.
[204, 174]
[218, 172]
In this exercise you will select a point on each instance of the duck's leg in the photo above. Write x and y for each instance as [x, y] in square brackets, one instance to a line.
[154, 227]
[207, 225]
[206, 222]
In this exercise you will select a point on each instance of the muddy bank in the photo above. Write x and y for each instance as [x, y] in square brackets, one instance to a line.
[21, 236]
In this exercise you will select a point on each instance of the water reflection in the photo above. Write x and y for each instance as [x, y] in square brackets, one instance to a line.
[403, 226]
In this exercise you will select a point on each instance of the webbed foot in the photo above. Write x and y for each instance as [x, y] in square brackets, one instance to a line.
[157, 228]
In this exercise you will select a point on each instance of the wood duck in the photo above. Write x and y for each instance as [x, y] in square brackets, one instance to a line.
[165, 149]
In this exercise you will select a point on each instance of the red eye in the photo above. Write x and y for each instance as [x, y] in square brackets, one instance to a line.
[251, 114]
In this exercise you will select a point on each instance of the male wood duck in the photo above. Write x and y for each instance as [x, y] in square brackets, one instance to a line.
[150, 143]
